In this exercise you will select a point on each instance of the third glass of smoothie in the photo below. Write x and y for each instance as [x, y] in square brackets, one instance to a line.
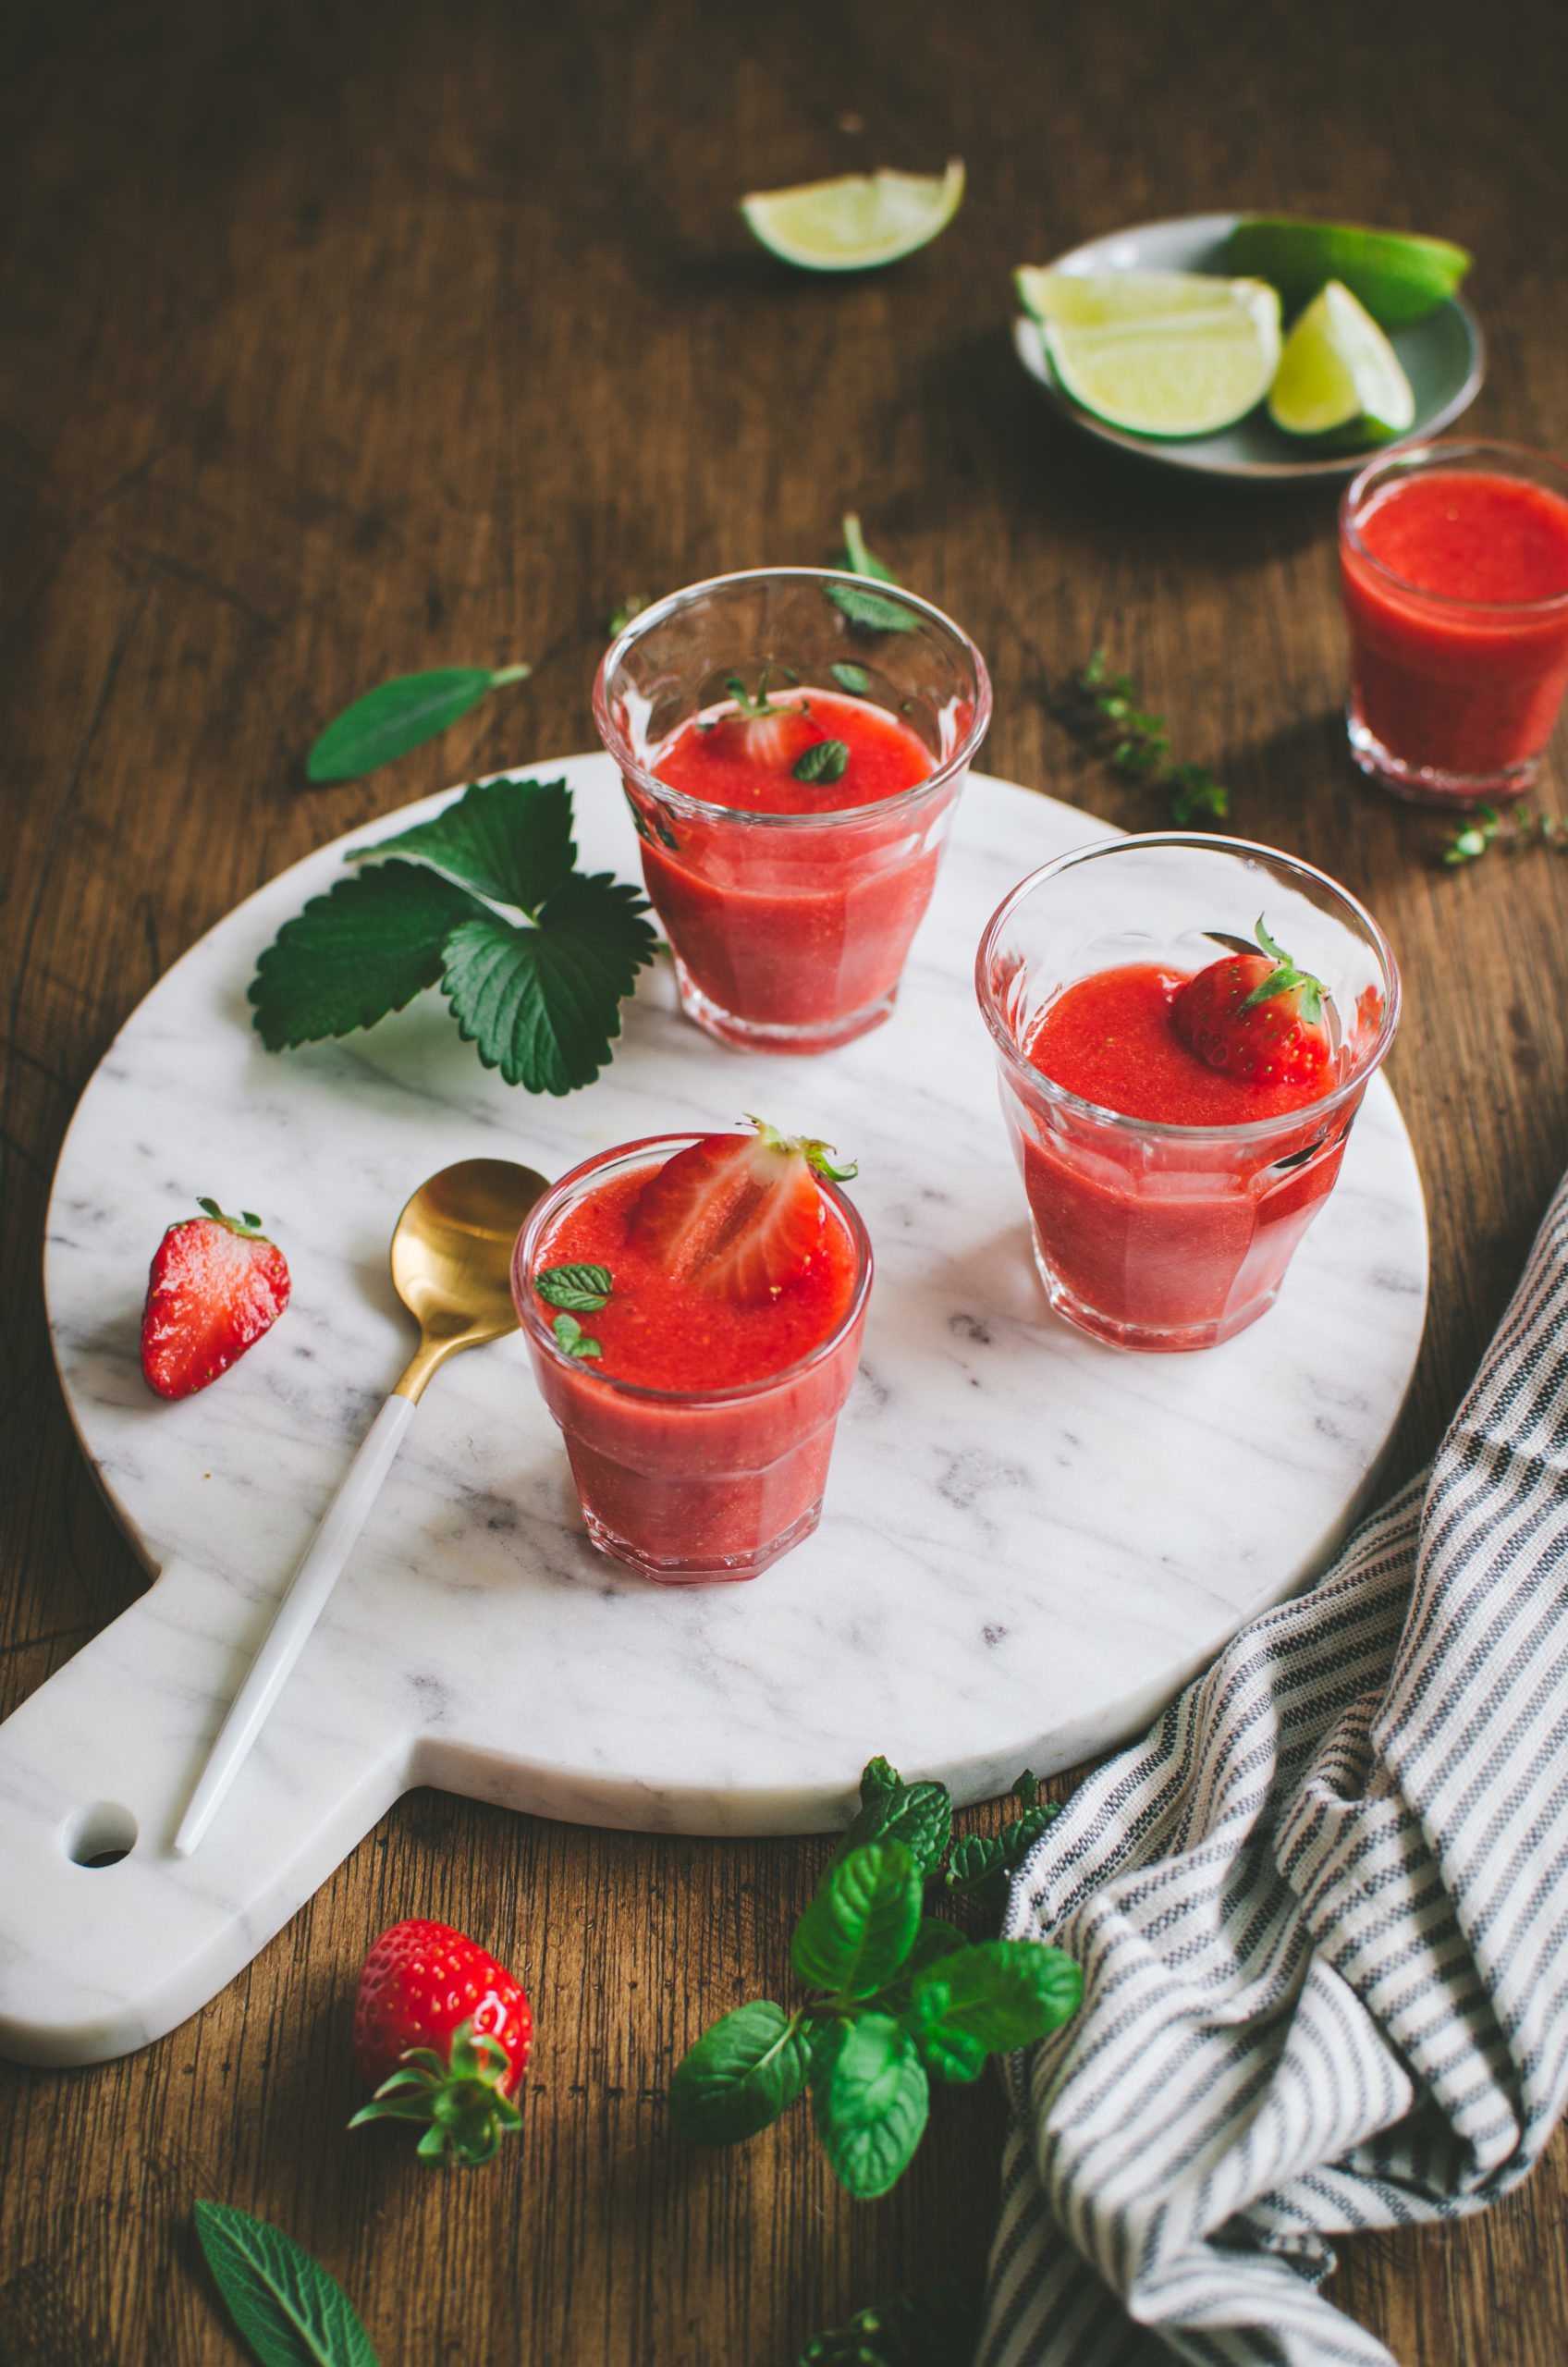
[1184, 1029]
[1453, 565]
[792, 765]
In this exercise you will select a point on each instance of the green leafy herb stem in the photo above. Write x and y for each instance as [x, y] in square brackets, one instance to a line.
[1522, 830]
[896, 1997]
[289, 2311]
[1108, 709]
[865, 609]
[539, 996]
[400, 715]
[938, 2326]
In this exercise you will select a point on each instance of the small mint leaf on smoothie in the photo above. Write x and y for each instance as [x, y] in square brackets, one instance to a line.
[583, 1290]
[365, 949]
[543, 1004]
[825, 761]
[570, 1334]
[854, 679]
[511, 840]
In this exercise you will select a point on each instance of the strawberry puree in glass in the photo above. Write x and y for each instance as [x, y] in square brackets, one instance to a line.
[700, 1438]
[790, 903]
[1455, 586]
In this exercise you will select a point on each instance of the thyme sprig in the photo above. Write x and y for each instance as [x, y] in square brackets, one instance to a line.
[1108, 709]
[1521, 830]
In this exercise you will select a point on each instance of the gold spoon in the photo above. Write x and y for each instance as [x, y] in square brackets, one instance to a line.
[451, 1267]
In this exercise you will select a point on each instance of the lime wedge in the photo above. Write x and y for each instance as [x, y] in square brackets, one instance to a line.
[1399, 277]
[1089, 298]
[1186, 371]
[855, 222]
[1339, 372]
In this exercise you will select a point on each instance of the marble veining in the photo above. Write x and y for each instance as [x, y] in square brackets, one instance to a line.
[1030, 1541]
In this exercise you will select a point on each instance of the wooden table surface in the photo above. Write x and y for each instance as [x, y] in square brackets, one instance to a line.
[342, 339]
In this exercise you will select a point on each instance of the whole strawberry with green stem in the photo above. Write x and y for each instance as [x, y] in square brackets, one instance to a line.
[215, 1285]
[1258, 1017]
[442, 2034]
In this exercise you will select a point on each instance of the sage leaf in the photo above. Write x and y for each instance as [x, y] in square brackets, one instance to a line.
[825, 760]
[353, 955]
[854, 679]
[740, 2076]
[511, 840]
[542, 1003]
[861, 1925]
[400, 714]
[870, 2098]
[285, 2305]
[583, 1290]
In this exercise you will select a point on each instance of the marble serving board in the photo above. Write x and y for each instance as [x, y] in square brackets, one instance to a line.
[1030, 1541]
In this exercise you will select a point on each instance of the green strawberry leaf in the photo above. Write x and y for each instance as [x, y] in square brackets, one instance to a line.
[583, 1290]
[990, 1999]
[398, 715]
[870, 2098]
[351, 956]
[740, 2076]
[511, 840]
[284, 2304]
[862, 1923]
[543, 1004]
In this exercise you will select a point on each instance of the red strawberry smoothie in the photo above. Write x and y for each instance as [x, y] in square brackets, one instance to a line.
[700, 1434]
[795, 928]
[1191, 1235]
[1469, 681]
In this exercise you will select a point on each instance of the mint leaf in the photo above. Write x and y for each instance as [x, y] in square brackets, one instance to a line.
[878, 1776]
[284, 2304]
[825, 760]
[856, 559]
[920, 1815]
[398, 715]
[874, 614]
[933, 1940]
[740, 2076]
[989, 1999]
[351, 956]
[975, 1859]
[511, 840]
[862, 1923]
[870, 2099]
[854, 679]
[570, 1334]
[543, 1004]
[937, 2326]
[581, 1289]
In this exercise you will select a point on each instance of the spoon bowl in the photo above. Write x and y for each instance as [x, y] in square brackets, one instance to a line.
[451, 1260]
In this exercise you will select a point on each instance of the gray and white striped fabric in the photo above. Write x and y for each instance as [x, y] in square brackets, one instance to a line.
[1322, 1914]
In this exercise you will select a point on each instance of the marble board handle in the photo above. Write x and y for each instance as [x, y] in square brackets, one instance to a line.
[109, 1940]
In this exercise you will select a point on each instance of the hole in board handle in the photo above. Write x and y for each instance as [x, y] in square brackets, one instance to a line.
[100, 1835]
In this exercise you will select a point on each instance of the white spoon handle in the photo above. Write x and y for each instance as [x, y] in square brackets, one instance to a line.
[296, 1615]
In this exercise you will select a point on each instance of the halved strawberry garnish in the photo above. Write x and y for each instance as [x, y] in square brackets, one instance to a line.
[770, 734]
[737, 1215]
[1258, 1016]
[215, 1285]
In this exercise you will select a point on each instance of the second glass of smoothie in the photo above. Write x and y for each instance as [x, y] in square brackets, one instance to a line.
[792, 770]
[1167, 1195]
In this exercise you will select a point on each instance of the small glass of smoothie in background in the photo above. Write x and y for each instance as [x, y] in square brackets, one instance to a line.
[1168, 1193]
[1453, 560]
[793, 772]
[697, 1395]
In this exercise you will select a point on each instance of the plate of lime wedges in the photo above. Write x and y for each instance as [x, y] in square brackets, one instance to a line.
[1260, 347]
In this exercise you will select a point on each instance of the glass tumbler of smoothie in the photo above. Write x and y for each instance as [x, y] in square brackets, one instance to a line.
[693, 1307]
[793, 744]
[1184, 1029]
[1454, 566]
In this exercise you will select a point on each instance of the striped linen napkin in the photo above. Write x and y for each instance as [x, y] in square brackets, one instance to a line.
[1322, 1913]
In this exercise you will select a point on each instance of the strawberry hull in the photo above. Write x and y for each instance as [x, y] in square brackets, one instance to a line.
[687, 1484]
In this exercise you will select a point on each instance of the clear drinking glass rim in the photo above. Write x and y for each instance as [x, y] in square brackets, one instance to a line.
[535, 1325]
[1448, 446]
[1256, 1130]
[700, 808]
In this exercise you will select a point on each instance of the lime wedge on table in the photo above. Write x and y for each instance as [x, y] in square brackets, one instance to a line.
[1160, 353]
[1339, 372]
[855, 222]
[1399, 277]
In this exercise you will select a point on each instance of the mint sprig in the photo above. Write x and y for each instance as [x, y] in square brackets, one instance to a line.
[400, 715]
[865, 609]
[898, 1998]
[285, 2305]
[1108, 709]
[540, 999]
[938, 2326]
[582, 1290]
